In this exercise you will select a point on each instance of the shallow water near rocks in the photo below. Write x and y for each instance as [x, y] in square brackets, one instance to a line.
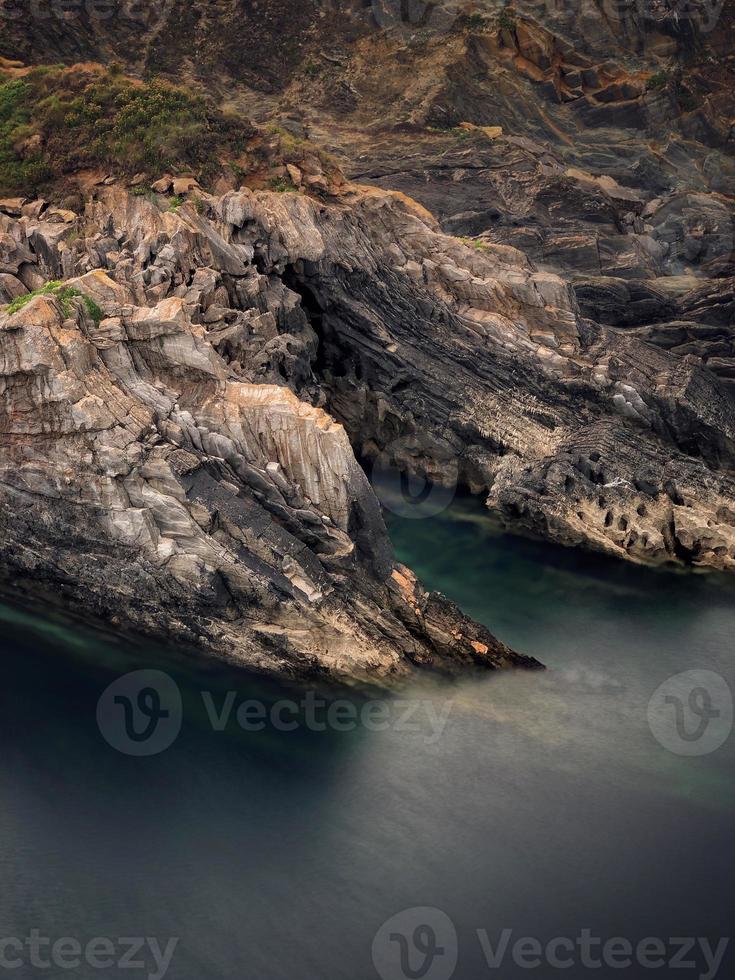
[544, 803]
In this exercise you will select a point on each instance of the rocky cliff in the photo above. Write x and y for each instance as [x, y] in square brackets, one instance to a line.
[154, 468]
[525, 288]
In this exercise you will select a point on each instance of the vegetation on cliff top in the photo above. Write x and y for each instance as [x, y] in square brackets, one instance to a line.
[61, 292]
[56, 121]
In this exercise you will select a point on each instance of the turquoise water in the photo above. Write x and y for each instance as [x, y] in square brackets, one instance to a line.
[544, 804]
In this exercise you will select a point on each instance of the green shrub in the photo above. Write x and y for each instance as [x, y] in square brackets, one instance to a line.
[658, 80]
[506, 21]
[63, 294]
[480, 246]
[239, 171]
[56, 121]
[93, 309]
[281, 185]
[18, 171]
[291, 146]
[476, 21]
[20, 301]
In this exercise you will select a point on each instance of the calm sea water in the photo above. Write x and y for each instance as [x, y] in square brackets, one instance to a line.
[545, 805]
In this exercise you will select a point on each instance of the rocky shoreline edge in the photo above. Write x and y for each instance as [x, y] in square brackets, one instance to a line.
[184, 391]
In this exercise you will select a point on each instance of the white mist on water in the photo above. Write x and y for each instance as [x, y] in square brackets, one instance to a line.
[542, 804]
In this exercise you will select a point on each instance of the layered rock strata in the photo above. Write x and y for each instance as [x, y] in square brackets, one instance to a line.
[155, 469]
[233, 329]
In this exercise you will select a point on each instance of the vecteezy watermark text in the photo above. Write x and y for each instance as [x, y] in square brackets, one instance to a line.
[422, 942]
[149, 956]
[594, 952]
[94, 10]
[140, 713]
[319, 715]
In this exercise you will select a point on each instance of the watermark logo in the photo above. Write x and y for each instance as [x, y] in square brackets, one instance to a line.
[421, 944]
[695, 230]
[412, 496]
[691, 713]
[416, 944]
[140, 713]
[428, 14]
[703, 15]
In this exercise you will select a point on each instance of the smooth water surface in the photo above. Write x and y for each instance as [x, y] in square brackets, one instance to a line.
[544, 805]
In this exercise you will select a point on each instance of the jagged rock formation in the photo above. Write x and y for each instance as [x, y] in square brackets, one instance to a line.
[150, 471]
[554, 331]
[659, 263]
[594, 137]
[451, 361]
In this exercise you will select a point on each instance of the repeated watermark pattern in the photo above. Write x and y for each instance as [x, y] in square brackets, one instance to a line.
[147, 956]
[440, 16]
[142, 12]
[700, 14]
[436, 16]
[421, 944]
[140, 714]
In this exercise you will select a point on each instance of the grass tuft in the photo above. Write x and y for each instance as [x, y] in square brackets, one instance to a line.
[281, 185]
[64, 295]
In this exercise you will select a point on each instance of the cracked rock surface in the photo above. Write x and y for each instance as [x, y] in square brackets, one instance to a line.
[157, 469]
[184, 462]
